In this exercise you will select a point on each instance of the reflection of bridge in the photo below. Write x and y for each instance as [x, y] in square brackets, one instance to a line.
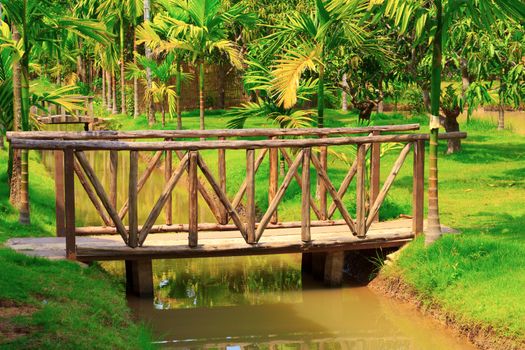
[236, 231]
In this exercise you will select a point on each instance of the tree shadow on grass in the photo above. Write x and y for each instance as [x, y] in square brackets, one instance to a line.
[500, 225]
[488, 153]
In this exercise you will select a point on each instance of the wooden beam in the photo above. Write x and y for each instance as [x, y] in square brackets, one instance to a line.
[133, 195]
[305, 196]
[299, 182]
[69, 202]
[375, 172]
[330, 187]
[238, 197]
[168, 209]
[321, 190]
[99, 189]
[193, 206]
[59, 194]
[222, 197]
[278, 196]
[273, 180]
[250, 195]
[222, 181]
[388, 183]
[113, 177]
[361, 191]
[418, 189]
[157, 208]
[143, 178]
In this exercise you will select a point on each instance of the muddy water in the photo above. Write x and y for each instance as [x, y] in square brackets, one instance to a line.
[514, 120]
[263, 302]
[259, 302]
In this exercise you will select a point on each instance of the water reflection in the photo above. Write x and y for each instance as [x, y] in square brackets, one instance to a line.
[263, 302]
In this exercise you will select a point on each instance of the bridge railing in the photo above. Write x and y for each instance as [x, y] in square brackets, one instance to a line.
[305, 153]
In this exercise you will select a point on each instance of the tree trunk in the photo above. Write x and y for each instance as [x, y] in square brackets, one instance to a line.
[201, 94]
[501, 116]
[380, 103]
[151, 106]
[434, 227]
[14, 190]
[179, 91]
[451, 125]
[320, 98]
[104, 104]
[344, 96]
[222, 89]
[135, 80]
[114, 94]
[122, 71]
[426, 98]
[109, 95]
[465, 78]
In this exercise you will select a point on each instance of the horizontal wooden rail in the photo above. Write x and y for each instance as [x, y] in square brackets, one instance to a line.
[173, 134]
[207, 145]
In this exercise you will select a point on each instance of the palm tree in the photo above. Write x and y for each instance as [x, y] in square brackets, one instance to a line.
[435, 17]
[202, 26]
[310, 39]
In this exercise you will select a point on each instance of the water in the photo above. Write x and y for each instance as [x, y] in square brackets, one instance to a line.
[258, 302]
[263, 302]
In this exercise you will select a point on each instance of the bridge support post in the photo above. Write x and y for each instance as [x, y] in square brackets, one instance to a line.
[139, 277]
[333, 269]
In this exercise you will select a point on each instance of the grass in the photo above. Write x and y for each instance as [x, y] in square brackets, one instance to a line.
[71, 307]
[478, 275]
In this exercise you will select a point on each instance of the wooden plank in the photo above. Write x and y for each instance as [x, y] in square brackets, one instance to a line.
[330, 187]
[388, 183]
[193, 201]
[215, 145]
[361, 191]
[375, 173]
[222, 197]
[238, 197]
[168, 209]
[418, 189]
[265, 220]
[250, 195]
[59, 194]
[321, 190]
[133, 196]
[157, 208]
[99, 189]
[299, 182]
[91, 194]
[273, 180]
[305, 196]
[226, 133]
[222, 181]
[69, 202]
[113, 176]
[143, 178]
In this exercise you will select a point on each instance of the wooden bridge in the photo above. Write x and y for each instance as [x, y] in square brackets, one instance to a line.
[236, 231]
[85, 116]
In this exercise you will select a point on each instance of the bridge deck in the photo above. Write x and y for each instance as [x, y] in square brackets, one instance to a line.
[275, 241]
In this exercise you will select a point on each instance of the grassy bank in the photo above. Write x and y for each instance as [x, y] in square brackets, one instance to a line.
[56, 305]
[477, 276]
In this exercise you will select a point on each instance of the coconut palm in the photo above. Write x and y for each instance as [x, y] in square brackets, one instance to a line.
[308, 40]
[432, 19]
[202, 25]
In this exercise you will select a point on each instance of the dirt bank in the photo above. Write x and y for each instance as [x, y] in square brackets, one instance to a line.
[482, 337]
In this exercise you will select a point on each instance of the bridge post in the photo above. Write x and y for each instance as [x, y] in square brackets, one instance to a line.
[59, 194]
[418, 189]
[375, 172]
[333, 269]
[139, 277]
[69, 203]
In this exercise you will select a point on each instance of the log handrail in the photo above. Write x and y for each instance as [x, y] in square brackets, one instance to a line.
[218, 133]
[303, 157]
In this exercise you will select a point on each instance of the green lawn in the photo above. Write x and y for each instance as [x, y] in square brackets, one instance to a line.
[61, 305]
[479, 275]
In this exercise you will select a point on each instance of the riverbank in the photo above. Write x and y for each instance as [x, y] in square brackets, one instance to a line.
[56, 305]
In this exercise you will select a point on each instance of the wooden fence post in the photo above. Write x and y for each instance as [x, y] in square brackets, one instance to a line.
[375, 172]
[24, 216]
[168, 165]
[59, 194]
[193, 200]
[274, 179]
[418, 190]
[113, 176]
[132, 195]
[223, 213]
[323, 158]
[69, 185]
[250, 195]
[305, 204]
[361, 191]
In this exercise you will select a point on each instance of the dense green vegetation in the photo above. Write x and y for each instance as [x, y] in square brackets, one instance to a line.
[60, 305]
